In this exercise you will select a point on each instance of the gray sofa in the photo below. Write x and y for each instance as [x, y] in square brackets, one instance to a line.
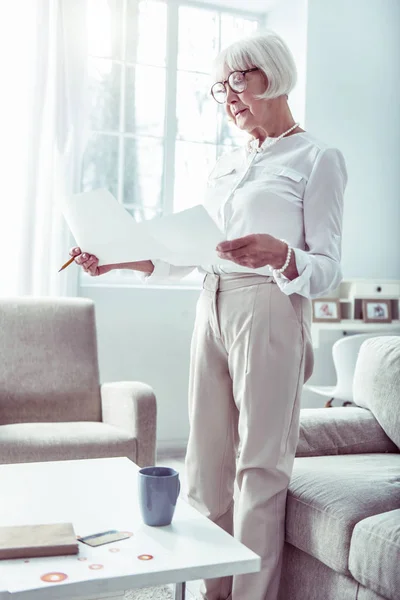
[343, 504]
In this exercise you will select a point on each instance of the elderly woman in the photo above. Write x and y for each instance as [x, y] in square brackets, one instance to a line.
[279, 202]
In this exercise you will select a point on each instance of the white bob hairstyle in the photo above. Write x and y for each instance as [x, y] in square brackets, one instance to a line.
[269, 53]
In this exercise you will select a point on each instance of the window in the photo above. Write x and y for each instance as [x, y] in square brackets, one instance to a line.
[155, 131]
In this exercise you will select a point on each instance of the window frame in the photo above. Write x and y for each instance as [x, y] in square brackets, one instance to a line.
[130, 279]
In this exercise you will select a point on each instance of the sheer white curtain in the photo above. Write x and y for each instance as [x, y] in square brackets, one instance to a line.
[44, 62]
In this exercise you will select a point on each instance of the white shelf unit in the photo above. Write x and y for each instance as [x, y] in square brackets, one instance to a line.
[351, 292]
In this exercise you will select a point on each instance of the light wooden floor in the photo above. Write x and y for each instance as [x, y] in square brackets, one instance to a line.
[176, 461]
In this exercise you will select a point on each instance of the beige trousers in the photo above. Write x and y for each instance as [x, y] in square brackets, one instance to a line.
[251, 353]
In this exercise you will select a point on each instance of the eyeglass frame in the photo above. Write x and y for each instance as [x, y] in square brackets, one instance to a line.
[227, 82]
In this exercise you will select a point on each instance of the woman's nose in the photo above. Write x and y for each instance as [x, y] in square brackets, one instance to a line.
[230, 95]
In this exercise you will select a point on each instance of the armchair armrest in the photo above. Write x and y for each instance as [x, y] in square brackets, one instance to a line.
[131, 406]
[341, 430]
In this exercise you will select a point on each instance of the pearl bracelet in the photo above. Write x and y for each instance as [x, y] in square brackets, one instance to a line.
[288, 257]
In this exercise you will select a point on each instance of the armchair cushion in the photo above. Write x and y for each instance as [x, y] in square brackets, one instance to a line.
[374, 559]
[328, 495]
[41, 442]
[376, 383]
[341, 430]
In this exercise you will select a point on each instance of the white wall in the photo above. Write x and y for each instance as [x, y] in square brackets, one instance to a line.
[352, 92]
[144, 335]
[348, 57]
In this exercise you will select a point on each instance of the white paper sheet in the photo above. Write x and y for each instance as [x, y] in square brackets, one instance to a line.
[102, 226]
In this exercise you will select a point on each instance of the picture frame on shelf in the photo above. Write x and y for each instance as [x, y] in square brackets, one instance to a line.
[375, 310]
[326, 310]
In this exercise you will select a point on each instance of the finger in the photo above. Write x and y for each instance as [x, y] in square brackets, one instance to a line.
[87, 259]
[94, 270]
[82, 258]
[79, 259]
[243, 261]
[239, 254]
[91, 265]
[234, 244]
[74, 251]
[89, 262]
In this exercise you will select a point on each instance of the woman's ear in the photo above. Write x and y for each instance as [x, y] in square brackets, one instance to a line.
[265, 80]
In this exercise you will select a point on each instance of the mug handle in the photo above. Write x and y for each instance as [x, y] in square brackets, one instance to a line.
[178, 490]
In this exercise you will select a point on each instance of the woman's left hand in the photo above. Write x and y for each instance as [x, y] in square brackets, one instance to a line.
[254, 251]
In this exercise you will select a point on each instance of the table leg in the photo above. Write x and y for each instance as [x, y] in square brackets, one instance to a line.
[180, 591]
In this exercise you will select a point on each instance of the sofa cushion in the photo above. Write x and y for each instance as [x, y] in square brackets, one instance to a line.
[329, 495]
[341, 430]
[374, 558]
[376, 383]
[40, 442]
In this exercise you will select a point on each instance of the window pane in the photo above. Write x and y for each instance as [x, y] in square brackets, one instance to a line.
[143, 174]
[196, 109]
[198, 39]
[145, 100]
[100, 164]
[105, 28]
[193, 164]
[146, 35]
[104, 89]
[234, 28]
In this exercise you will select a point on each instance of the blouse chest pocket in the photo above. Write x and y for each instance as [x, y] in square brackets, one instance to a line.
[221, 176]
[281, 180]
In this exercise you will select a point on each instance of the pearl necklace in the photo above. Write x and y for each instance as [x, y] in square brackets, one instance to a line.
[270, 143]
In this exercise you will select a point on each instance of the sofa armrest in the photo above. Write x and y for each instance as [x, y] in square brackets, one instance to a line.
[341, 430]
[131, 406]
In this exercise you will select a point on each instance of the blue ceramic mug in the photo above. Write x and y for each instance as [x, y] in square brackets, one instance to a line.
[159, 488]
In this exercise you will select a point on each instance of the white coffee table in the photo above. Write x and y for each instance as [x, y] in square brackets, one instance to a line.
[98, 495]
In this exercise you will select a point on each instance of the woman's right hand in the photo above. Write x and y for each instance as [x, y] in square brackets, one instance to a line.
[89, 262]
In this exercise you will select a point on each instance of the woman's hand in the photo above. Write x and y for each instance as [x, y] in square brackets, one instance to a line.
[258, 250]
[254, 251]
[89, 262]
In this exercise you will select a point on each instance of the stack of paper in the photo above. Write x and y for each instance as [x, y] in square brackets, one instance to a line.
[102, 226]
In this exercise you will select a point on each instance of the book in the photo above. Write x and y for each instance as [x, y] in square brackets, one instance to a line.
[30, 541]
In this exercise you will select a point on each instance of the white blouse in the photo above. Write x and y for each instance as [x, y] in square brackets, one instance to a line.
[292, 190]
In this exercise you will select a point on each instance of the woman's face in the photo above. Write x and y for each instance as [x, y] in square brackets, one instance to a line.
[245, 109]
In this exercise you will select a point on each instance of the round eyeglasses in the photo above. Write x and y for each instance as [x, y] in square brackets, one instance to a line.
[237, 82]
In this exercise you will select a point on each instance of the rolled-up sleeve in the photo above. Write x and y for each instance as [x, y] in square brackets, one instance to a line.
[319, 264]
[163, 272]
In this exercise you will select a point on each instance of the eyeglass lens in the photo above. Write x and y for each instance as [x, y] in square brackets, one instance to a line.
[237, 83]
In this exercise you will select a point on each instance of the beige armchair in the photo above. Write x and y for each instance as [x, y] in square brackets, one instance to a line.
[52, 406]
